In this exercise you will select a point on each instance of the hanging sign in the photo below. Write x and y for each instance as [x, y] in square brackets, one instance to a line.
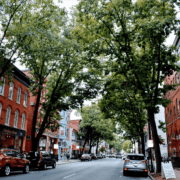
[168, 171]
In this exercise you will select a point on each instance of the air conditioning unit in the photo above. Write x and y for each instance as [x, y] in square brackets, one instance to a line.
[32, 103]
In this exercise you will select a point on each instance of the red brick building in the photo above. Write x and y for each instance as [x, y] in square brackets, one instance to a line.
[14, 116]
[172, 115]
[49, 138]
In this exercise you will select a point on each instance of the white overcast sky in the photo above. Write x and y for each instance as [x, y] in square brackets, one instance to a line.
[68, 4]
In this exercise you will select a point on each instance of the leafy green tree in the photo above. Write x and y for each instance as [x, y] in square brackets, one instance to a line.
[131, 36]
[18, 18]
[93, 126]
[127, 145]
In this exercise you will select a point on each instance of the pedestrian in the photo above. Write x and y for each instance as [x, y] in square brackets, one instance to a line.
[68, 156]
[64, 155]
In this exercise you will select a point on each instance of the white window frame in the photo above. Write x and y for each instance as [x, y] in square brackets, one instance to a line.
[19, 95]
[11, 89]
[8, 114]
[23, 121]
[25, 99]
[0, 108]
[16, 118]
[2, 87]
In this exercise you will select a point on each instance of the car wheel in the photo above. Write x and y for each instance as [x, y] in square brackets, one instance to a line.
[54, 165]
[124, 173]
[26, 168]
[44, 166]
[7, 170]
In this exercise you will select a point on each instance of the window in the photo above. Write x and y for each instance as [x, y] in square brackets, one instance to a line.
[8, 113]
[67, 132]
[25, 99]
[2, 86]
[16, 118]
[11, 88]
[19, 95]
[23, 121]
[174, 112]
[176, 79]
[0, 108]
[177, 107]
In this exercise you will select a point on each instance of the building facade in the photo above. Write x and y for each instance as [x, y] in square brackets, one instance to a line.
[14, 111]
[63, 142]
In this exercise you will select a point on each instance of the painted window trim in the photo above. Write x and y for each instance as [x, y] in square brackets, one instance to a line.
[2, 86]
[16, 118]
[23, 121]
[25, 99]
[0, 108]
[11, 97]
[8, 114]
[19, 95]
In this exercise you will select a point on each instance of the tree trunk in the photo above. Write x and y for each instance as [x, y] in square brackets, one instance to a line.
[155, 139]
[142, 143]
[34, 142]
[97, 147]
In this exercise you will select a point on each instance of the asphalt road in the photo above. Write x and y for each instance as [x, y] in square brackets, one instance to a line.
[102, 169]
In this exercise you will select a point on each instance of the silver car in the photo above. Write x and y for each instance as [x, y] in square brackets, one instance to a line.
[86, 157]
[135, 163]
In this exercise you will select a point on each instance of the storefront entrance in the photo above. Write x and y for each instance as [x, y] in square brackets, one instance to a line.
[11, 137]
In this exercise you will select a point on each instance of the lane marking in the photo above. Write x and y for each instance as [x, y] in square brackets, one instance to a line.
[69, 176]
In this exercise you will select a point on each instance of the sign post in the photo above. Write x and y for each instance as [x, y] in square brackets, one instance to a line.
[168, 171]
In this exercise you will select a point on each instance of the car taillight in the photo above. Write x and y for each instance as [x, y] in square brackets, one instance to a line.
[145, 170]
[81, 157]
[87, 156]
[125, 169]
[127, 160]
[144, 161]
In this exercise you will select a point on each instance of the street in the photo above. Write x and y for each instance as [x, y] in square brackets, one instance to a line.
[106, 169]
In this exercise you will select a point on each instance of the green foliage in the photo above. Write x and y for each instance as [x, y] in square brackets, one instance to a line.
[162, 126]
[127, 145]
[102, 149]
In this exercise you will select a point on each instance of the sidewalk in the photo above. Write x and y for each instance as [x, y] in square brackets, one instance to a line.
[65, 161]
[157, 176]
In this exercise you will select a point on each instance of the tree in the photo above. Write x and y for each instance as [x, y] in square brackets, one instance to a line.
[93, 127]
[127, 145]
[131, 36]
[18, 18]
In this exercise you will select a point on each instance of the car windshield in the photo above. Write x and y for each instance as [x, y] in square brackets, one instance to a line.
[134, 157]
[85, 154]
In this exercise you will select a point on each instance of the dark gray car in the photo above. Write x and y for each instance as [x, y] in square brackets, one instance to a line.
[86, 157]
[135, 163]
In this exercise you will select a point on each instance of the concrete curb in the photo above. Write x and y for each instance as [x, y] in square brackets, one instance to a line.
[151, 177]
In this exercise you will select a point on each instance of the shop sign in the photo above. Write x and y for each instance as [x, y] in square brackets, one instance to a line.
[12, 131]
[168, 171]
[55, 146]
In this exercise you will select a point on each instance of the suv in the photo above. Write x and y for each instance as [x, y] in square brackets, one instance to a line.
[135, 163]
[41, 160]
[11, 159]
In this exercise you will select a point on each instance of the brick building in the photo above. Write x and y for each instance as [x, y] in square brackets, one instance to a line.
[172, 115]
[14, 116]
[48, 138]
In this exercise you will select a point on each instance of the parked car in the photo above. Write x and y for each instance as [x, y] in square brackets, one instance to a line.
[93, 156]
[135, 163]
[41, 160]
[123, 157]
[104, 156]
[111, 155]
[118, 156]
[86, 157]
[99, 156]
[11, 159]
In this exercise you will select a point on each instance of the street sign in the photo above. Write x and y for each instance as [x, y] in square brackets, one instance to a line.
[167, 171]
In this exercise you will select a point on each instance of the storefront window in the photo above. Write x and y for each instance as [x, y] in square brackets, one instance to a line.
[11, 88]
[23, 121]
[8, 113]
[16, 118]
[19, 95]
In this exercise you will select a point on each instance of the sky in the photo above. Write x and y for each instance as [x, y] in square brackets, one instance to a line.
[68, 4]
